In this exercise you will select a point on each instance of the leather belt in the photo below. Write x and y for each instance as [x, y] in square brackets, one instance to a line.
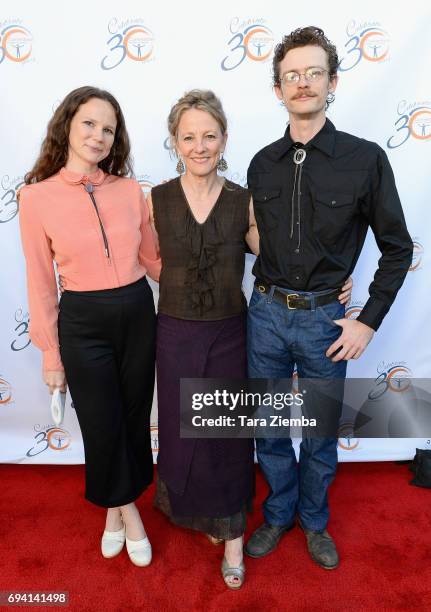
[295, 301]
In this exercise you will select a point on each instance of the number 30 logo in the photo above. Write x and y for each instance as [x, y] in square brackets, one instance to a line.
[135, 42]
[9, 203]
[371, 44]
[417, 124]
[255, 42]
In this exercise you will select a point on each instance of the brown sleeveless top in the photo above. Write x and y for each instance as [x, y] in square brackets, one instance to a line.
[202, 263]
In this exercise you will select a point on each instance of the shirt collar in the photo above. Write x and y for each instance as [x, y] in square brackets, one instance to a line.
[75, 178]
[324, 140]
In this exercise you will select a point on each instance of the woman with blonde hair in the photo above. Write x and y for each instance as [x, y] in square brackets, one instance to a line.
[201, 220]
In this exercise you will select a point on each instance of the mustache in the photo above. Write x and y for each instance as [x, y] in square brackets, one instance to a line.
[310, 94]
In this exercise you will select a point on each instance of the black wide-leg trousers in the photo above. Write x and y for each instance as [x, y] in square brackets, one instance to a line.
[107, 345]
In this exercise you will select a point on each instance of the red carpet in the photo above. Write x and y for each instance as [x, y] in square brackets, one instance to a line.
[50, 541]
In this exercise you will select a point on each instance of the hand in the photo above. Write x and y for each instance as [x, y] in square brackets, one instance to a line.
[55, 379]
[344, 298]
[353, 341]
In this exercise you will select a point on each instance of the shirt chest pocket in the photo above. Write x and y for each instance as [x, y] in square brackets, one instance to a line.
[267, 207]
[332, 216]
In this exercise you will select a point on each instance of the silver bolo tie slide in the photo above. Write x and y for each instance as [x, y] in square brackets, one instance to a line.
[298, 159]
[299, 156]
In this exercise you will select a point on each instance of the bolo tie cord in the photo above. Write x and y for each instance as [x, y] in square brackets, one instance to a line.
[298, 158]
[292, 214]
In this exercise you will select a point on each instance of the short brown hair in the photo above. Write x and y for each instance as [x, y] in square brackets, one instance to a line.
[55, 148]
[202, 99]
[302, 37]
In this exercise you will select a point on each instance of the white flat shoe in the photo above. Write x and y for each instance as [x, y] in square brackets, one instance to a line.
[140, 552]
[113, 542]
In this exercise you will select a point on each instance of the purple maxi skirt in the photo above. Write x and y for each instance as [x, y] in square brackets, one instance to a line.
[205, 484]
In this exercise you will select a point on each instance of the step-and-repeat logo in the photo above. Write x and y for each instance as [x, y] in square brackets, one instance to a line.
[9, 186]
[145, 182]
[365, 41]
[346, 439]
[128, 39]
[49, 438]
[154, 432]
[354, 309]
[15, 42]
[392, 377]
[418, 253]
[237, 177]
[5, 391]
[414, 120]
[249, 39]
[21, 338]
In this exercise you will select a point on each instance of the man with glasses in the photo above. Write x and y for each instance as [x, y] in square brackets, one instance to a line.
[315, 192]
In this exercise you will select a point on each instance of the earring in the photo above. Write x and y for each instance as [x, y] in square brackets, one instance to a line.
[180, 166]
[222, 164]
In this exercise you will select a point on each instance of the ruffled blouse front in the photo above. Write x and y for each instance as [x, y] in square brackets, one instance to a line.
[202, 240]
[202, 263]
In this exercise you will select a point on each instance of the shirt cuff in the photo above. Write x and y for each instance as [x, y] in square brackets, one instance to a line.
[52, 360]
[373, 313]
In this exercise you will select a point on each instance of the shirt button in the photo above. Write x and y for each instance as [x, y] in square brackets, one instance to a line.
[296, 250]
[297, 277]
[334, 202]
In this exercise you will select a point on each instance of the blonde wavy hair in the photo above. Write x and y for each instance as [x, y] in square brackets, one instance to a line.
[201, 99]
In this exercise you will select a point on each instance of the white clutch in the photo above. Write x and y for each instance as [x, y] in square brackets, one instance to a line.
[58, 402]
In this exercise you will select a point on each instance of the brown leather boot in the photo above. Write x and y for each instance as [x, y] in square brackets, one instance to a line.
[265, 539]
[322, 548]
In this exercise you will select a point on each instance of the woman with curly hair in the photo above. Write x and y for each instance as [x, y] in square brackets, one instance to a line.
[79, 210]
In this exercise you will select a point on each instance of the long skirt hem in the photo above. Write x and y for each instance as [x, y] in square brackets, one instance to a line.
[224, 528]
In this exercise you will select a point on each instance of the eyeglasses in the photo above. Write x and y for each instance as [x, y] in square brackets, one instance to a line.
[311, 75]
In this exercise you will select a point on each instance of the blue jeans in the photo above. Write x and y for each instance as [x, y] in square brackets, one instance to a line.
[277, 339]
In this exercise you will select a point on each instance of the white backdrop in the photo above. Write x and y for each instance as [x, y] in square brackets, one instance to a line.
[147, 56]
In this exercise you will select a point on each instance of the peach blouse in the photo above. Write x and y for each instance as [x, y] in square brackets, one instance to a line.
[59, 223]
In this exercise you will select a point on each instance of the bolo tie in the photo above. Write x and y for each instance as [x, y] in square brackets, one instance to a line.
[89, 188]
[298, 159]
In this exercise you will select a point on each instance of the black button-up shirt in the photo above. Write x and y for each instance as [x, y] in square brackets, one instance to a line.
[312, 228]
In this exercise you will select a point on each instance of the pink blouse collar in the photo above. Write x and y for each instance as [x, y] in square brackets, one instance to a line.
[75, 178]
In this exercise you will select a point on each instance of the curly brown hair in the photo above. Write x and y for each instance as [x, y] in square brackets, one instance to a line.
[54, 150]
[301, 37]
